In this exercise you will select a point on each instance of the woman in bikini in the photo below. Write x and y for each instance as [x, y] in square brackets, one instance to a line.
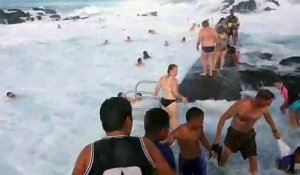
[221, 45]
[169, 85]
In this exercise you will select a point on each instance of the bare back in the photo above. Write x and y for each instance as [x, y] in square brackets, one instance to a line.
[166, 87]
[189, 142]
[208, 36]
[246, 116]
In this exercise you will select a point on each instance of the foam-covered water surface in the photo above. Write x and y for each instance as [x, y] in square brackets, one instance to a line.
[63, 75]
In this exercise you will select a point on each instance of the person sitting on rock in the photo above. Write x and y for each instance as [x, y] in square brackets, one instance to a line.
[233, 54]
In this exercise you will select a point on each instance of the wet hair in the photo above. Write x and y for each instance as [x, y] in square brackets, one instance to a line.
[221, 20]
[10, 94]
[183, 39]
[278, 80]
[113, 113]
[205, 23]
[146, 55]
[156, 119]
[120, 94]
[171, 67]
[194, 112]
[265, 94]
[139, 60]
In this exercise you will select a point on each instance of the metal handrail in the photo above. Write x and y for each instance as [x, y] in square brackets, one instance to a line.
[136, 91]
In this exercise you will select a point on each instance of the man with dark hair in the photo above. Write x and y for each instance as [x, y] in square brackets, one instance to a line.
[189, 135]
[241, 135]
[156, 123]
[118, 153]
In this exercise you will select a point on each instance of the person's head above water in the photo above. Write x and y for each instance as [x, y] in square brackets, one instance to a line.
[278, 83]
[264, 98]
[139, 60]
[146, 55]
[183, 39]
[172, 70]
[194, 117]
[205, 24]
[156, 124]
[116, 116]
[120, 94]
[10, 95]
[297, 155]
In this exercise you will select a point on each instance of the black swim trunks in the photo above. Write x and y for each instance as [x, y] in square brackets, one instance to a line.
[243, 142]
[166, 102]
[208, 49]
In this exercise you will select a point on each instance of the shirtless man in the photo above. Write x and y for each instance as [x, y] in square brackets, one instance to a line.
[169, 85]
[241, 135]
[189, 135]
[118, 152]
[207, 38]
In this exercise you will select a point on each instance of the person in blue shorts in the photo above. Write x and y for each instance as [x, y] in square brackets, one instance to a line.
[190, 136]
[156, 123]
[291, 163]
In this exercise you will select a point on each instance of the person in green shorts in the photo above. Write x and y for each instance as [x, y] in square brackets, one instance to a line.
[241, 135]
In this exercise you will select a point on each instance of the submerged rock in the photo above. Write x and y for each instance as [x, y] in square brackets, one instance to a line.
[291, 61]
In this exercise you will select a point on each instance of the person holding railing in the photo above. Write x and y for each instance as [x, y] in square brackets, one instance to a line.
[169, 85]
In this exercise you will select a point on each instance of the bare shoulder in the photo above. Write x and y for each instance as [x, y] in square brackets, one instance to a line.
[83, 160]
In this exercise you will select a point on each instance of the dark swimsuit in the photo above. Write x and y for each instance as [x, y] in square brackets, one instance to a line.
[166, 102]
[208, 49]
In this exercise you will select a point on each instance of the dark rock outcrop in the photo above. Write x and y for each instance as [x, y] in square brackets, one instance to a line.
[13, 17]
[49, 11]
[232, 80]
[55, 17]
[291, 61]
[37, 9]
[268, 9]
[246, 6]
[274, 2]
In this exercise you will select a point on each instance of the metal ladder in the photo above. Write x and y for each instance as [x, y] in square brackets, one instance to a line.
[145, 94]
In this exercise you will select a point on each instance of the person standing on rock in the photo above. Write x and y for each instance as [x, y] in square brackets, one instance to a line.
[208, 39]
[233, 25]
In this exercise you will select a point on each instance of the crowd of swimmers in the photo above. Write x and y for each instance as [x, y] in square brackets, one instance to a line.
[120, 153]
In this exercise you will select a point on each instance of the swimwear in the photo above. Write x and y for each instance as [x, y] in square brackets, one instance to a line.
[208, 49]
[167, 153]
[289, 164]
[167, 102]
[295, 106]
[243, 142]
[195, 166]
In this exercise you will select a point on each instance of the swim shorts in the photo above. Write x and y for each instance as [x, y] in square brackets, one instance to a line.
[243, 142]
[195, 166]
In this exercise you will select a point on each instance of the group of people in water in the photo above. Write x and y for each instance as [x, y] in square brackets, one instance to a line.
[119, 153]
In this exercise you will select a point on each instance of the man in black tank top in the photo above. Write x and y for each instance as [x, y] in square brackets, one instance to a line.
[118, 153]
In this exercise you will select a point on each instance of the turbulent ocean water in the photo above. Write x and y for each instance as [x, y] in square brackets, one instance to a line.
[62, 76]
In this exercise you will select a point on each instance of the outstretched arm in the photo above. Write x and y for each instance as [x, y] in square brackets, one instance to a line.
[270, 121]
[227, 115]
